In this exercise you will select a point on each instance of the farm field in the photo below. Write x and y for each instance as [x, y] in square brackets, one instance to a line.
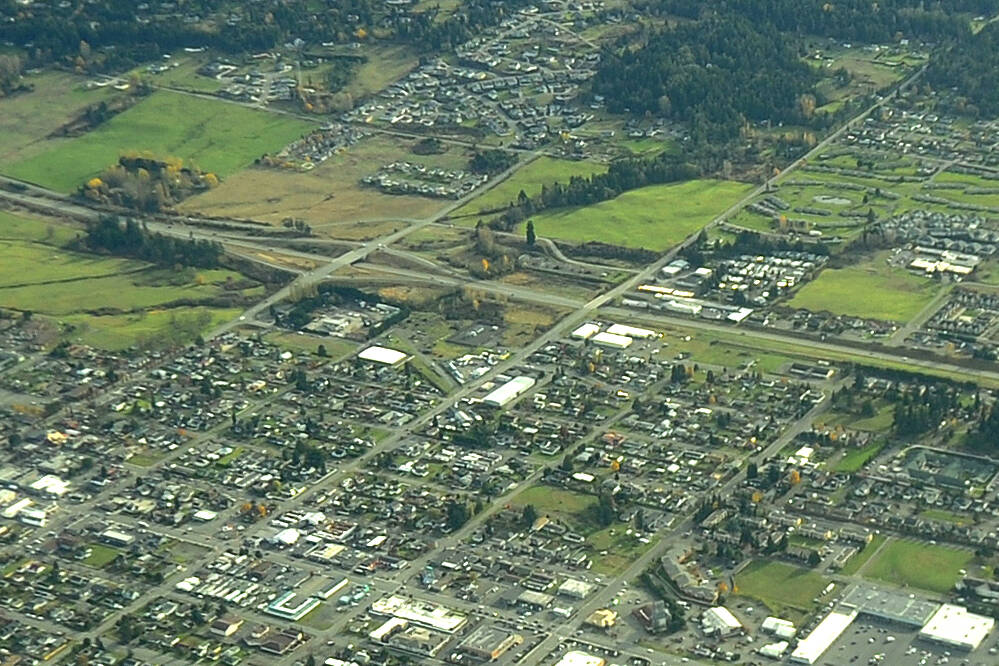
[330, 197]
[104, 301]
[889, 293]
[529, 178]
[26, 119]
[214, 135]
[919, 564]
[780, 586]
[655, 217]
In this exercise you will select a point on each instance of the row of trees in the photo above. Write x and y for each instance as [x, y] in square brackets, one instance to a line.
[129, 239]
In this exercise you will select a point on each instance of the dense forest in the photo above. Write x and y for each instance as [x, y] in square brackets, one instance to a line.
[848, 20]
[129, 239]
[711, 73]
[971, 68]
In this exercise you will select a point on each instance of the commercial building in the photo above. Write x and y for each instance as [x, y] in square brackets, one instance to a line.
[585, 332]
[489, 643]
[577, 658]
[576, 589]
[432, 616]
[383, 356]
[832, 626]
[611, 340]
[505, 394]
[954, 626]
[602, 618]
[778, 627]
[291, 606]
[719, 621]
[631, 331]
[538, 600]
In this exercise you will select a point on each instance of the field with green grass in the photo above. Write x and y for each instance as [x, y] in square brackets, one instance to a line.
[780, 586]
[101, 556]
[529, 178]
[854, 459]
[26, 119]
[577, 509]
[214, 135]
[107, 301]
[655, 217]
[871, 289]
[908, 563]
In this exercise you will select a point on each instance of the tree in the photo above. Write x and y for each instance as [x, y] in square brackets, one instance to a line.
[752, 470]
[531, 237]
[529, 515]
[321, 350]
[814, 558]
[457, 514]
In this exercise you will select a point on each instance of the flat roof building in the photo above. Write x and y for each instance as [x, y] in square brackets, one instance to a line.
[832, 626]
[631, 331]
[489, 643]
[611, 340]
[383, 355]
[535, 599]
[505, 394]
[577, 658]
[955, 626]
[719, 620]
[577, 589]
[585, 332]
[432, 616]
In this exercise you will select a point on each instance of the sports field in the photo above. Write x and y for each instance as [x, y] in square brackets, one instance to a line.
[909, 563]
[216, 136]
[655, 217]
[871, 289]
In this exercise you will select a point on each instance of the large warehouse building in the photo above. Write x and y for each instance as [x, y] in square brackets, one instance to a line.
[956, 627]
[505, 394]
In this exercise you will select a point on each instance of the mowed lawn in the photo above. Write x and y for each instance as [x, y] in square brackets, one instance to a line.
[919, 564]
[530, 178]
[872, 289]
[214, 135]
[655, 217]
[780, 585]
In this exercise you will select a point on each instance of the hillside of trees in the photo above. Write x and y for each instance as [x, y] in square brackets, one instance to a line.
[848, 20]
[971, 67]
[130, 239]
[715, 73]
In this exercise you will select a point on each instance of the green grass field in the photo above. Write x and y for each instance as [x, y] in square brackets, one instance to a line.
[101, 556]
[655, 217]
[529, 178]
[214, 135]
[105, 301]
[780, 586]
[919, 564]
[872, 289]
[27, 118]
[857, 458]
[574, 508]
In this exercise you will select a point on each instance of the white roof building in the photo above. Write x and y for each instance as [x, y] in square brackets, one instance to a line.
[778, 627]
[575, 588]
[955, 626]
[832, 626]
[611, 340]
[774, 650]
[719, 620]
[383, 355]
[631, 331]
[585, 332]
[577, 658]
[502, 396]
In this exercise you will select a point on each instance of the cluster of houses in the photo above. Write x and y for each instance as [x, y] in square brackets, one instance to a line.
[418, 179]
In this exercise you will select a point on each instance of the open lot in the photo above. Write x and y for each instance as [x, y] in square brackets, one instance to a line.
[870, 289]
[780, 586]
[330, 197]
[216, 136]
[919, 564]
[27, 118]
[655, 217]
